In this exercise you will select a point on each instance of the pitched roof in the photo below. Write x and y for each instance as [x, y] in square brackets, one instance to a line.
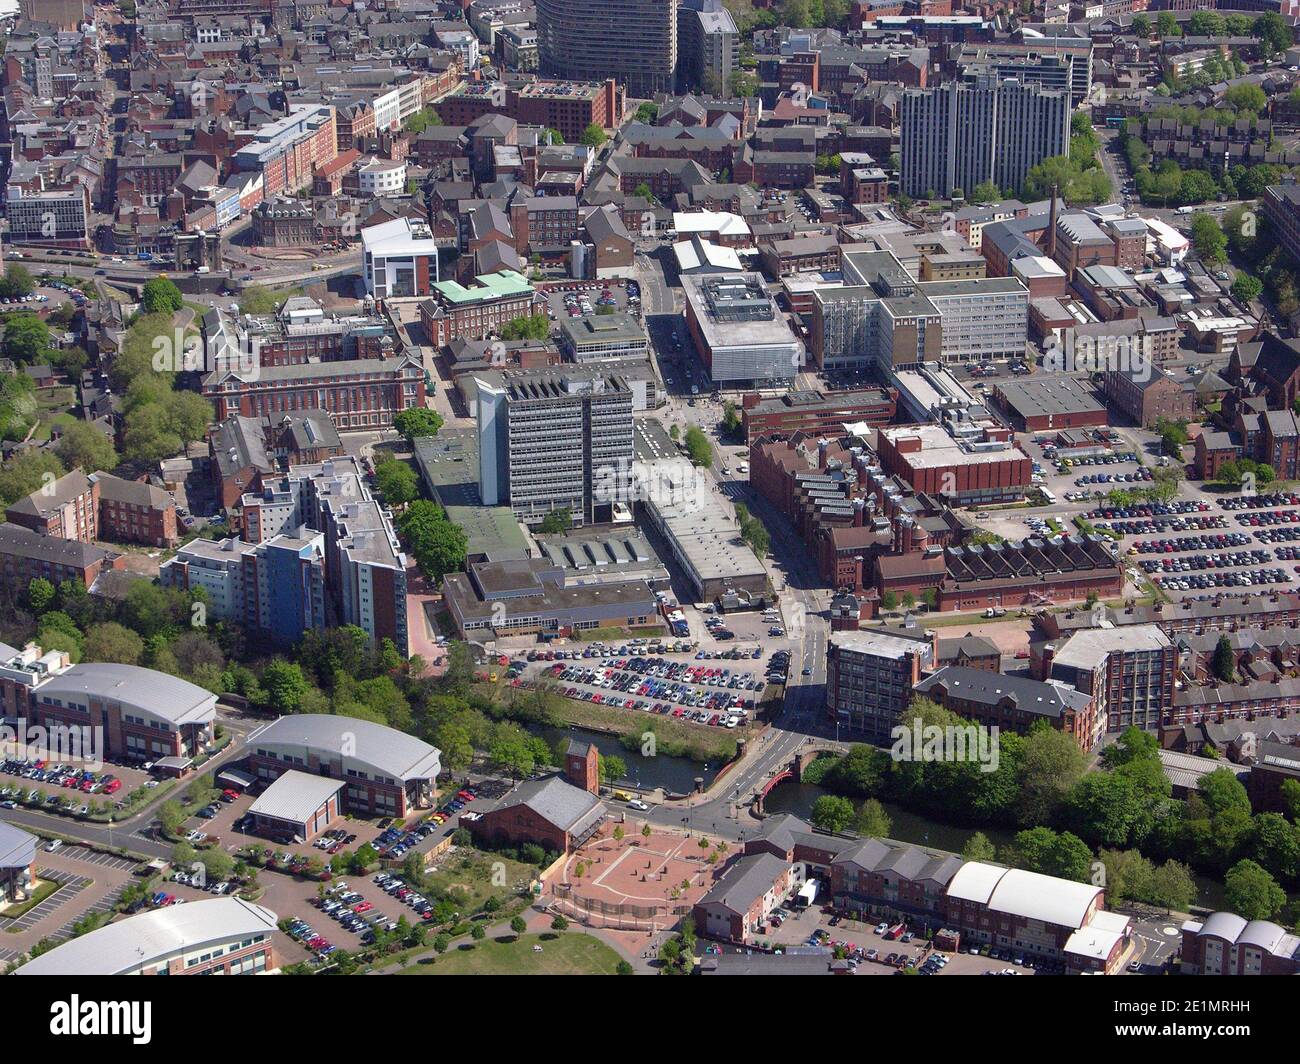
[569, 808]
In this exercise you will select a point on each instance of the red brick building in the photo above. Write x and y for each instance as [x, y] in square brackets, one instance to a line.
[366, 393]
[131, 511]
[67, 508]
[25, 555]
[934, 462]
[815, 413]
[569, 107]
[549, 812]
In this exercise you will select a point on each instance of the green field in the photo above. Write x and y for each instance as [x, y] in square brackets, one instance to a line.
[568, 953]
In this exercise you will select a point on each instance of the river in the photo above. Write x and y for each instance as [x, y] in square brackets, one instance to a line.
[674, 774]
[798, 798]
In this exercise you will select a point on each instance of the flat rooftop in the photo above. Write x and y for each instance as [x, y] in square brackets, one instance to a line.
[1051, 395]
[449, 467]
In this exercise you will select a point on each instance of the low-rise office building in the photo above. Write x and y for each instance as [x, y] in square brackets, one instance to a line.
[214, 936]
[1013, 703]
[296, 807]
[386, 772]
[144, 715]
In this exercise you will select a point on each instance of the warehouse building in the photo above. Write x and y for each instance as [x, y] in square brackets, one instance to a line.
[977, 467]
[1040, 403]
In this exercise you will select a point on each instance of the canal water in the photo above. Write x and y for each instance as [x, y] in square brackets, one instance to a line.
[908, 826]
[675, 774]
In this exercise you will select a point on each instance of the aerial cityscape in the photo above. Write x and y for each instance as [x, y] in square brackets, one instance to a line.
[650, 487]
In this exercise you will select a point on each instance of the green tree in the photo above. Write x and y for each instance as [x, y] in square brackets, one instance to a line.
[1246, 97]
[170, 816]
[161, 296]
[1141, 27]
[27, 339]
[979, 848]
[284, 685]
[418, 421]
[743, 83]
[112, 642]
[1225, 664]
[1251, 892]
[1208, 238]
[833, 813]
[17, 282]
[986, 192]
[1246, 288]
[518, 925]
[612, 768]
[593, 136]
[557, 521]
[1273, 32]
[397, 482]
[698, 448]
[84, 446]
[437, 545]
[872, 820]
[40, 595]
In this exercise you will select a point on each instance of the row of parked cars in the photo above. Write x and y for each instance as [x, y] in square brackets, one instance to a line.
[198, 881]
[1285, 534]
[396, 841]
[1258, 502]
[1221, 579]
[1163, 525]
[1185, 543]
[1196, 563]
[301, 931]
[62, 775]
[352, 912]
[396, 887]
[448, 809]
[334, 840]
[1138, 477]
[637, 648]
[1267, 518]
[1176, 508]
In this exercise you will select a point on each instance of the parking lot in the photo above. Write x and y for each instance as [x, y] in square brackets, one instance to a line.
[716, 692]
[89, 882]
[574, 299]
[871, 947]
[68, 786]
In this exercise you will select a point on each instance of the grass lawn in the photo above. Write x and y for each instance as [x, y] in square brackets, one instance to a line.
[469, 876]
[46, 428]
[568, 953]
[43, 890]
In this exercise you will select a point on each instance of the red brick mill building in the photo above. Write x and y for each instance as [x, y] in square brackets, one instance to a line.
[558, 813]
